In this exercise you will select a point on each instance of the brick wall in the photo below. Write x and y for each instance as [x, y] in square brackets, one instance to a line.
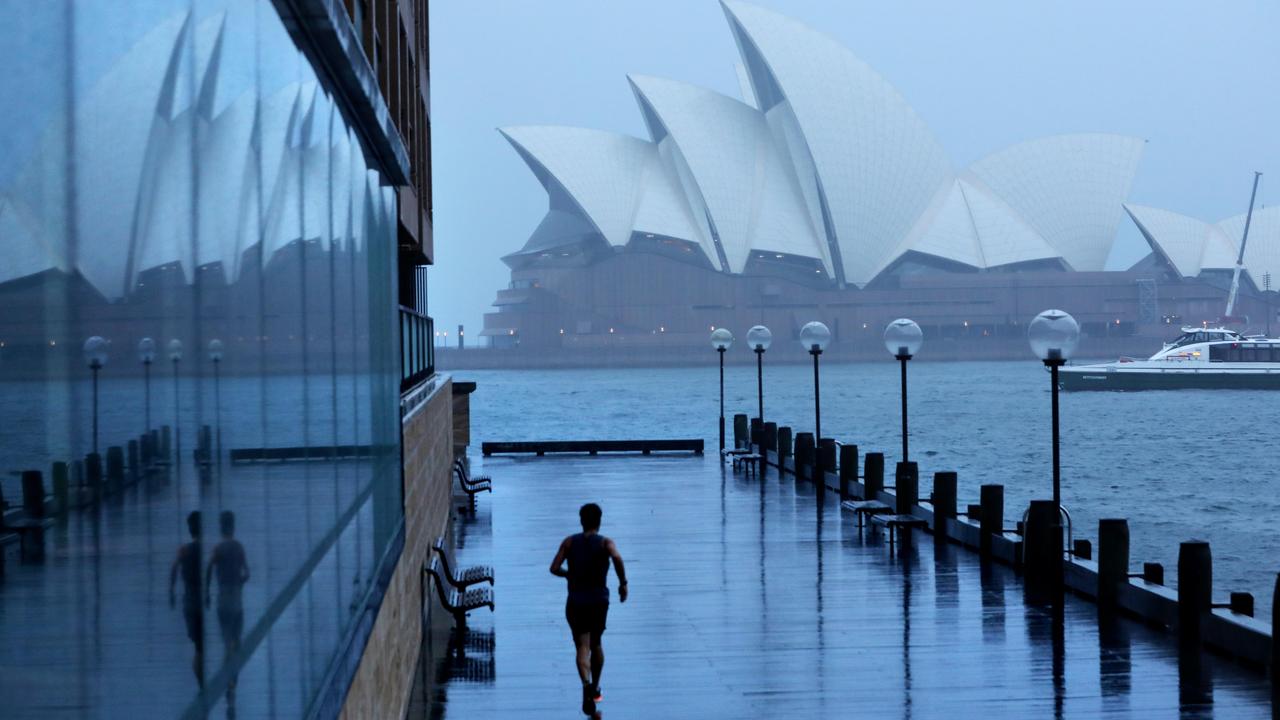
[382, 683]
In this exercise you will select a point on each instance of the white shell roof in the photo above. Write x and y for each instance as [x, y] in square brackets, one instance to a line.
[137, 128]
[1069, 188]
[1191, 245]
[742, 176]
[879, 164]
[1262, 251]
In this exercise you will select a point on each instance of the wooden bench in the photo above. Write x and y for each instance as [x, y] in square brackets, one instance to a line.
[458, 603]
[469, 576]
[895, 523]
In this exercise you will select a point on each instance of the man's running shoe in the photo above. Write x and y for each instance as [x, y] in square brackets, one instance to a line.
[599, 696]
[588, 700]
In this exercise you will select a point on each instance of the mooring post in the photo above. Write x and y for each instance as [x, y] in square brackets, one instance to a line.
[757, 433]
[93, 475]
[133, 457]
[991, 518]
[873, 474]
[945, 483]
[115, 468]
[1195, 588]
[166, 444]
[771, 436]
[826, 462]
[1275, 642]
[804, 455]
[61, 489]
[848, 468]
[907, 486]
[33, 493]
[1113, 559]
[784, 445]
[1043, 543]
[740, 430]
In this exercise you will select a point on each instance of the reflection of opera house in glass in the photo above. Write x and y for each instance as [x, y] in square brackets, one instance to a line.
[823, 195]
[221, 401]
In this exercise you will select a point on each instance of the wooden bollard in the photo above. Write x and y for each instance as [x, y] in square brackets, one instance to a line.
[771, 436]
[166, 444]
[826, 461]
[907, 487]
[873, 474]
[805, 455]
[115, 468]
[93, 475]
[1113, 559]
[1195, 588]
[135, 469]
[1043, 543]
[848, 468]
[1275, 640]
[61, 487]
[943, 498]
[991, 519]
[784, 443]
[33, 493]
[756, 432]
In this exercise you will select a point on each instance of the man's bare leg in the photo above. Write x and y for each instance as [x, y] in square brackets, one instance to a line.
[597, 665]
[582, 642]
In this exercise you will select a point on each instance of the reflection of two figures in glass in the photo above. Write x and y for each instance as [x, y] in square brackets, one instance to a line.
[228, 564]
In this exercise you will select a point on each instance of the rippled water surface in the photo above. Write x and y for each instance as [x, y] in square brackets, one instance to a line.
[1178, 464]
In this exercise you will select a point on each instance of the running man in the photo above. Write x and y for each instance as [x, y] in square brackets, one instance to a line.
[187, 564]
[588, 553]
[231, 568]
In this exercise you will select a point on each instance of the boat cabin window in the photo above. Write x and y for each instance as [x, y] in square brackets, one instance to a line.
[1203, 336]
[1244, 352]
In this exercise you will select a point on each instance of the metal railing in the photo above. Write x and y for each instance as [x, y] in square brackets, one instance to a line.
[417, 347]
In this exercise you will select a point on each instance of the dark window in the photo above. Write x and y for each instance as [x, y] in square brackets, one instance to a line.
[1248, 354]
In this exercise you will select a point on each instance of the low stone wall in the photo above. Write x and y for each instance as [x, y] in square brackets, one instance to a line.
[382, 684]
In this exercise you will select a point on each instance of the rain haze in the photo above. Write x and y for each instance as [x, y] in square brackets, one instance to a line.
[1191, 78]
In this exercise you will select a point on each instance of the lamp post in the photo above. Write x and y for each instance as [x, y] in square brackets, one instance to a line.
[815, 337]
[175, 356]
[721, 340]
[215, 356]
[146, 356]
[759, 339]
[903, 338]
[95, 353]
[1053, 336]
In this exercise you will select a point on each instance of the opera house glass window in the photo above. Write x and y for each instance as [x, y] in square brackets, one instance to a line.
[198, 370]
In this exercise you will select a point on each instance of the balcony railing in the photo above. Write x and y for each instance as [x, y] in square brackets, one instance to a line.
[417, 350]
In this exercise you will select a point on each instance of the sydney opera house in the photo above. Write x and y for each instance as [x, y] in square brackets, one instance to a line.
[821, 194]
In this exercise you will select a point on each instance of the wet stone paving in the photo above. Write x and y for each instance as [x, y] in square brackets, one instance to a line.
[752, 598]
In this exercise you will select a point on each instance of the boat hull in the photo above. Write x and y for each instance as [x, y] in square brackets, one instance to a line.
[1137, 379]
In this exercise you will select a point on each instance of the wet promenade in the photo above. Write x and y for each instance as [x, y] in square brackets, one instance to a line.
[751, 598]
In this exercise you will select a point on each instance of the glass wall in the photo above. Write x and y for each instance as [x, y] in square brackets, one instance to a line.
[198, 357]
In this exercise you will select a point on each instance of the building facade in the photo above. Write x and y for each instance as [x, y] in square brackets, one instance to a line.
[231, 448]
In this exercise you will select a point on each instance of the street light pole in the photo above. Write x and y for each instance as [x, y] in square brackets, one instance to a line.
[817, 396]
[760, 381]
[720, 351]
[902, 362]
[1053, 365]
[95, 366]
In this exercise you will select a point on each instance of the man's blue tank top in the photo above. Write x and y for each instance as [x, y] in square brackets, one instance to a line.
[588, 566]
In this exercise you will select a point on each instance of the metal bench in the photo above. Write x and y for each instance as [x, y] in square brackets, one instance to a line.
[895, 523]
[749, 461]
[863, 509]
[470, 486]
[469, 576]
[458, 603]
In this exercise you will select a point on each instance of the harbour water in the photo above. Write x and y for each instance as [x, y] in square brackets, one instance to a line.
[1178, 464]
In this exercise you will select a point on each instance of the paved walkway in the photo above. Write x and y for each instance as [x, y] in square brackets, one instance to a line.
[751, 599]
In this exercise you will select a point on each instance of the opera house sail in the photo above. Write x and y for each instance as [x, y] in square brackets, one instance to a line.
[820, 188]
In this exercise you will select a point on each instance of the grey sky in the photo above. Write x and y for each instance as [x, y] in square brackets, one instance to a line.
[1197, 79]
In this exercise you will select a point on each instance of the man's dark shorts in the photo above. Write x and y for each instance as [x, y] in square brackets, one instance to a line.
[587, 618]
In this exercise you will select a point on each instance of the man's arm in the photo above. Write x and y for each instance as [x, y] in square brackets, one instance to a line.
[618, 568]
[208, 577]
[557, 565]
